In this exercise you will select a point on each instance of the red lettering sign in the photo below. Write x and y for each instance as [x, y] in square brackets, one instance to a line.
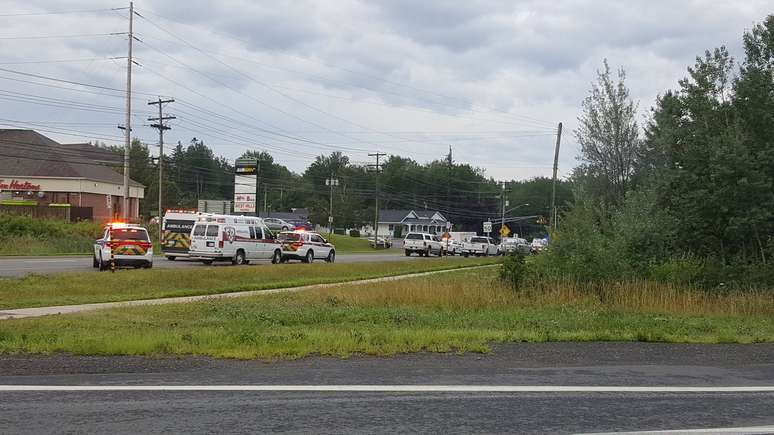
[18, 185]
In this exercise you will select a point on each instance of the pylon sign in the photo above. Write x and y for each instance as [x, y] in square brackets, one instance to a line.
[487, 227]
[504, 231]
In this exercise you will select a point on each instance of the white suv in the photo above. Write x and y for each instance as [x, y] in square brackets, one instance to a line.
[123, 245]
[423, 244]
[305, 246]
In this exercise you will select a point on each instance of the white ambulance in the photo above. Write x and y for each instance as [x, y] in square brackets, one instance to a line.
[238, 239]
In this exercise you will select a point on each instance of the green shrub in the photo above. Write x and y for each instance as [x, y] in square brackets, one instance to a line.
[513, 270]
[354, 233]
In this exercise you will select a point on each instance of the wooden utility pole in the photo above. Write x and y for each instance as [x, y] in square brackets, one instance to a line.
[331, 182]
[161, 127]
[556, 166]
[128, 125]
[378, 155]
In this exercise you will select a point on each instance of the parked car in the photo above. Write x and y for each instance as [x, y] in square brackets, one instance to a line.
[423, 244]
[306, 246]
[518, 245]
[238, 239]
[479, 246]
[123, 245]
[381, 243]
[452, 246]
[276, 225]
[538, 245]
[302, 226]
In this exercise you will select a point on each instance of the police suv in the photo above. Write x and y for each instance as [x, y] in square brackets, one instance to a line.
[305, 246]
[123, 245]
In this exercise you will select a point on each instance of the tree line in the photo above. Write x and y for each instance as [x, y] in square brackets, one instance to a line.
[689, 196]
[462, 192]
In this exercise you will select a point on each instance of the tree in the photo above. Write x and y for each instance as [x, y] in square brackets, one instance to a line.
[609, 137]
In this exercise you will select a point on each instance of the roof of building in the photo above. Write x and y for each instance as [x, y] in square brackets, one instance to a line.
[398, 216]
[27, 153]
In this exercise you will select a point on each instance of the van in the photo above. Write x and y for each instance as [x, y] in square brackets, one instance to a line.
[238, 239]
[176, 233]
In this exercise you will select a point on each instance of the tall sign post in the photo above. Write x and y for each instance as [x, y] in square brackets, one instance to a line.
[245, 194]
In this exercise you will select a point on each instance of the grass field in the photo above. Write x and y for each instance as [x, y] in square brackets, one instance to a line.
[460, 311]
[90, 287]
[350, 244]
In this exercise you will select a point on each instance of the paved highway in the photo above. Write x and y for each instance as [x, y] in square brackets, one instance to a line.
[20, 266]
[330, 411]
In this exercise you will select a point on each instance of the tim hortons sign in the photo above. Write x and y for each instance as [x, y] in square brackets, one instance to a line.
[18, 185]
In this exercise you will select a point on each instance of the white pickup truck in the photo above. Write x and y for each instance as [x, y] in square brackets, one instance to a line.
[422, 244]
[479, 246]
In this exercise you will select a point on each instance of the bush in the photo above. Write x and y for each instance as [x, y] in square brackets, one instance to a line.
[354, 233]
[513, 270]
[340, 231]
[26, 235]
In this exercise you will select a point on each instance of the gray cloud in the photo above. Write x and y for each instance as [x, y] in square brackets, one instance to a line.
[386, 65]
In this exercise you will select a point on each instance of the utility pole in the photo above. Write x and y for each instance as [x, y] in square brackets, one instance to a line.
[257, 174]
[128, 126]
[265, 201]
[502, 215]
[378, 155]
[556, 165]
[331, 182]
[161, 127]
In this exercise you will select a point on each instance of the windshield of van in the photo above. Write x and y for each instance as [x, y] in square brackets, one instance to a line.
[478, 240]
[212, 230]
[129, 234]
[288, 237]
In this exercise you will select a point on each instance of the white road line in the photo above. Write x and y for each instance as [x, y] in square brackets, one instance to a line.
[716, 431]
[393, 388]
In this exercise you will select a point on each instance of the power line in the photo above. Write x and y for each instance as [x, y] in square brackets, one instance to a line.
[81, 11]
[80, 35]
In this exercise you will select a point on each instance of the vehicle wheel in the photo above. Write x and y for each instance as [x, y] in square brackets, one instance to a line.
[276, 257]
[171, 258]
[207, 262]
[285, 229]
[427, 252]
[283, 259]
[309, 257]
[148, 265]
[331, 256]
[465, 254]
[101, 264]
[408, 253]
[239, 258]
[95, 263]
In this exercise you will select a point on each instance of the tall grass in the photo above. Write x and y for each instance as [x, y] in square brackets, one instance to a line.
[460, 311]
[23, 235]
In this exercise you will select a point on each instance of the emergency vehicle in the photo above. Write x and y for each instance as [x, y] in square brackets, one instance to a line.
[176, 233]
[123, 245]
[238, 239]
[305, 246]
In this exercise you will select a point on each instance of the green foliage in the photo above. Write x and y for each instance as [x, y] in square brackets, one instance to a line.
[354, 233]
[514, 270]
[23, 235]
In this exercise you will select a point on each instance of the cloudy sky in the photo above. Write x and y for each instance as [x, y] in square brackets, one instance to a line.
[299, 78]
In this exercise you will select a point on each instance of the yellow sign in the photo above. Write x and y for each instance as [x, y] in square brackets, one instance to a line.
[504, 231]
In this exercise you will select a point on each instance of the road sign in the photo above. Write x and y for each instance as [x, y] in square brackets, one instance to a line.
[246, 166]
[487, 227]
[504, 231]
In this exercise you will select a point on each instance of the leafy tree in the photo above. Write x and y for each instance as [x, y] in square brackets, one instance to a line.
[609, 137]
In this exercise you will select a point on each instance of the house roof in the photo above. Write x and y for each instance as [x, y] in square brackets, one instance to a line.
[393, 216]
[398, 216]
[27, 153]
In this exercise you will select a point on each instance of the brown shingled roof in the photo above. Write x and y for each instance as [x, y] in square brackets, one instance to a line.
[26, 153]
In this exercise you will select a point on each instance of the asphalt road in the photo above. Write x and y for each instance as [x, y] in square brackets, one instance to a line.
[551, 364]
[20, 266]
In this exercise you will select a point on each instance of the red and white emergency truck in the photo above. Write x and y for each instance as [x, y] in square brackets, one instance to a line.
[176, 230]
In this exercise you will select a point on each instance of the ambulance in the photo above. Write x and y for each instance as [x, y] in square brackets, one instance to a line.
[238, 239]
[176, 230]
[123, 245]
